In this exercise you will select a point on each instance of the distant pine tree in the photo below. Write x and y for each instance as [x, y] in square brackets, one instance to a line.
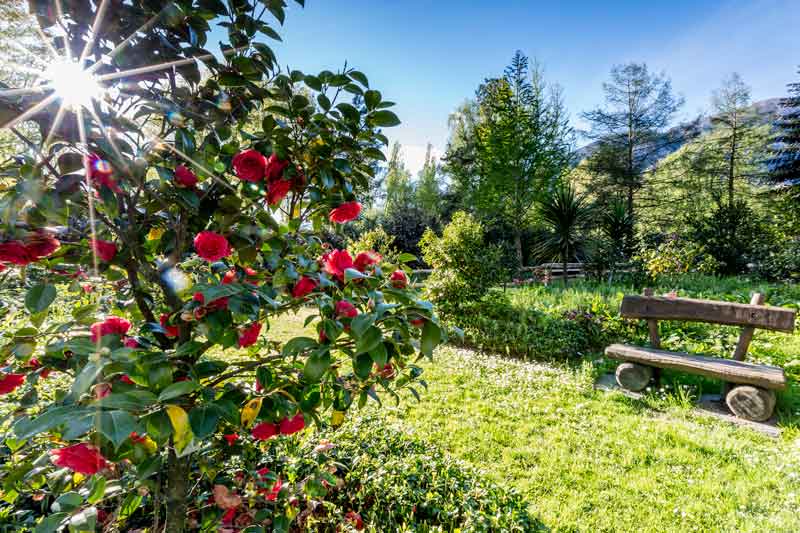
[784, 162]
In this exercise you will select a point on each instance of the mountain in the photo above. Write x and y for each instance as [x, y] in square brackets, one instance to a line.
[765, 110]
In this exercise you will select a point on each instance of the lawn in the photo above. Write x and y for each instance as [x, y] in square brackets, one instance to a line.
[592, 461]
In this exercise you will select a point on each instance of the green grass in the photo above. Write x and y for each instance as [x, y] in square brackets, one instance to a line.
[593, 461]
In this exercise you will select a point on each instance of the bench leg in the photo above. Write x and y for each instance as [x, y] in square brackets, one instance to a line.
[633, 377]
[751, 403]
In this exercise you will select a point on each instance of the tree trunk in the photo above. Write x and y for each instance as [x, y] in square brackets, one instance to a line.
[177, 492]
[518, 247]
[564, 272]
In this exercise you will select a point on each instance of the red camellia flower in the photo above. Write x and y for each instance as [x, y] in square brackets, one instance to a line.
[2, 267]
[126, 379]
[211, 246]
[231, 438]
[355, 520]
[304, 287]
[219, 303]
[185, 177]
[105, 250]
[100, 173]
[345, 309]
[171, 331]
[250, 165]
[229, 277]
[345, 212]
[366, 259]
[277, 191]
[275, 168]
[15, 252]
[41, 244]
[130, 342]
[9, 382]
[82, 458]
[112, 325]
[264, 431]
[101, 390]
[276, 489]
[249, 335]
[292, 425]
[417, 322]
[336, 262]
[399, 279]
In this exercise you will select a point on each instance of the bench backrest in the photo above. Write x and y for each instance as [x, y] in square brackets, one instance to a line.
[689, 309]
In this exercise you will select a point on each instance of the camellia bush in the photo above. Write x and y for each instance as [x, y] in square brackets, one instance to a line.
[153, 233]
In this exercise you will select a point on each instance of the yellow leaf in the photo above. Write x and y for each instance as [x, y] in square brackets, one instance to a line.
[337, 418]
[180, 424]
[77, 477]
[250, 411]
[149, 445]
[155, 234]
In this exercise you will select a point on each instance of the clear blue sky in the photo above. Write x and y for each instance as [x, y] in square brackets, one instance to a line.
[430, 56]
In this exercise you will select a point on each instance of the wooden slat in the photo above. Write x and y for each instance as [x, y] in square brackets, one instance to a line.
[732, 314]
[769, 377]
[746, 336]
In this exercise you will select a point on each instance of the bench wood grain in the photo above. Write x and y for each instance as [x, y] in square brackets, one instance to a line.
[769, 377]
[690, 309]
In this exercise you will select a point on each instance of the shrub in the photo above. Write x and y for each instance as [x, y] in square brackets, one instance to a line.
[676, 255]
[780, 262]
[464, 266]
[396, 481]
[188, 245]
[495, 325]
[375, 239]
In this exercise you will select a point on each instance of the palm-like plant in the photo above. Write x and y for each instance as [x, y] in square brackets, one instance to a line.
[617, 226]
[566, 215]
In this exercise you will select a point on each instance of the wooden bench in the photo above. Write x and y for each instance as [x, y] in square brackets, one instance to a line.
[749, 387]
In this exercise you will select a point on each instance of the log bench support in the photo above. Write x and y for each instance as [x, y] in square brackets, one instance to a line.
[749, 388]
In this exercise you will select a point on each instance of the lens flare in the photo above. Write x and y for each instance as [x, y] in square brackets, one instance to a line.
[75, 86]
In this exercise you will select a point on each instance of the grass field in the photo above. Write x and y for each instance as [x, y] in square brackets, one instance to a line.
[590, 461]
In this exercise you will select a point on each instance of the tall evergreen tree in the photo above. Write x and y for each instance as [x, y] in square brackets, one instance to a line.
[512, 144]
[399, 190]
[427, 191]
[784, 160]
[630, 131]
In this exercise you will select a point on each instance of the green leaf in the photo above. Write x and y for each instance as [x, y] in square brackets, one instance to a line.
[97, 489]
[379, 355]
[351, 274]
[69, 501]
[406, 257]
[359, 77]
[136, 400]
[362, 365]
[361, 322]
[384, 118]
[372, 99]
[204, 420]
[369, 340]
[298, 345]
[86, 378]
[431, 335]
[178, 389]
[117, 426]
[52, 523]
[39, 297]
[316, 365]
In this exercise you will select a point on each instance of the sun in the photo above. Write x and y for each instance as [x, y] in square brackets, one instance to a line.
[75, 86]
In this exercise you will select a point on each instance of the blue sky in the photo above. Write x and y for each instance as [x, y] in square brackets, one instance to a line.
[429, 56]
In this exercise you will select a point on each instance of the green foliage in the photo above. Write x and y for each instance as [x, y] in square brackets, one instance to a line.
[676, 255]
[732, 234]
[464, 266]
[420, 487]
[509, 147]
[566, 216]
[375, 239]
[146, 268]
[494, 325]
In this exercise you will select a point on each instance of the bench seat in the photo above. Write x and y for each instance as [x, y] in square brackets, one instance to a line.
[768, 377]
